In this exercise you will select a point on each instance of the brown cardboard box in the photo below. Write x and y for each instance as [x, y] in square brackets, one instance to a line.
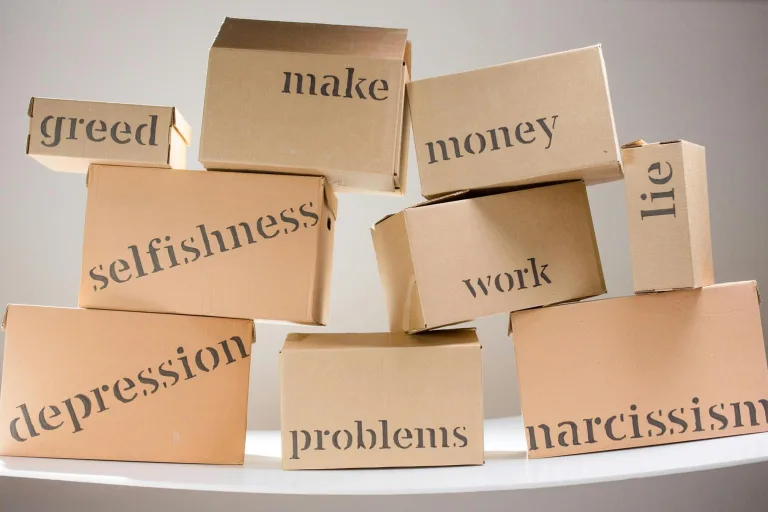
[533, 121]
[225, 244]
[642, 370]
[381, 400]
[668, 211]
[115, 385]
[301, 98]
[67, 135]
[460, 258]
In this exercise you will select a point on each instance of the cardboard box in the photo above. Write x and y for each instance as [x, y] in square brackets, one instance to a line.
[464, 257]
[67, 135]
[668, 212]
[381, 400]
[301, 98]
[225, 244]
[642, 370]
[115, 385]
[533, 121]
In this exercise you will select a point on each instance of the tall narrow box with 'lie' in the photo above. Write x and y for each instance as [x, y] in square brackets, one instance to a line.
[668, 211]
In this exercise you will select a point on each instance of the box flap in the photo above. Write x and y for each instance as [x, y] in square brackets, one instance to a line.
[330, 197]
[5, 318]
[245, 34]
[640, 143]
[334, 341]
[181, 126]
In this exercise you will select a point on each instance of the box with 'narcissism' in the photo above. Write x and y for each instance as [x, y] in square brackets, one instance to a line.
[533, 121]
[460, 258]
[67, 135]
[227, 244]
[381, 400]
[303, 98]
[668, 212]
[643, 370]
[117, 385]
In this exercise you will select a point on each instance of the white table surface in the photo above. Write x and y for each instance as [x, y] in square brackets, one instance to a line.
[506, 468]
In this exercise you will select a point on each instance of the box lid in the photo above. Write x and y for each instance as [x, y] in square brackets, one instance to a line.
[314, 38]
[331, 341]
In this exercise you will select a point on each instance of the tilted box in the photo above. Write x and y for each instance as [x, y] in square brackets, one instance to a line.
[464, 257]
[226, 244]
[536, 120]
[303, 98]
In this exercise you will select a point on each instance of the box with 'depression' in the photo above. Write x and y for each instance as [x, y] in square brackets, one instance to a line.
[537, 120]
[642, 370]
[68, 135]
[365, 401]
[466, 256]
[226, 244]
[668, 212]
[304, 98]
[117, 385]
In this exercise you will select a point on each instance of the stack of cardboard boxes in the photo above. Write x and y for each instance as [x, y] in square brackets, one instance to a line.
[177, 263]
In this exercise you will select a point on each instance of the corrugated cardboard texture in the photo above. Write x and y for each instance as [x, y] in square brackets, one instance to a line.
[225, 244]
[533, 121]
[67, 135]
[420, 397]
[648, 369]
[115, 385]
[449, 262]
[668, 212]
[308, 99]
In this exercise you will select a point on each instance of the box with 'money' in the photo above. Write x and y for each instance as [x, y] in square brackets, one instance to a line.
[306, 98]
[67, 135]
[537, 120]
[225, 244]
[381, 400]
[460, 258]
[642, 370]
[117, 385]
[668, 212]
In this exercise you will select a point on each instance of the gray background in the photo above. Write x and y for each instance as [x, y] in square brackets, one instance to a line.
[677, 69]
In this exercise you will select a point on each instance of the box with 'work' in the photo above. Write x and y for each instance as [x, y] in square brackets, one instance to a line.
[117, 385]
[537, 120]
[642, 370]
[226, 244]
[668, 212]
[67, 135]
[303, 98]
[460, 258]
[381, 400]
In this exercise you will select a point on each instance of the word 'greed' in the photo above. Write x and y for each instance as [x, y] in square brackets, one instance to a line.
[120, 132]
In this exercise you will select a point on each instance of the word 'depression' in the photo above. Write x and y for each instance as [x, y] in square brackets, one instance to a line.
[125, 390]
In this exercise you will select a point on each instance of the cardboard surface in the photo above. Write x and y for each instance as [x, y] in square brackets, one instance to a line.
[67, 135]
[668, 212]
[460, 259]
[303, 98]
[381, 400]
[533, 121]
[116, 385]
[224, 244]
[647, 369]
